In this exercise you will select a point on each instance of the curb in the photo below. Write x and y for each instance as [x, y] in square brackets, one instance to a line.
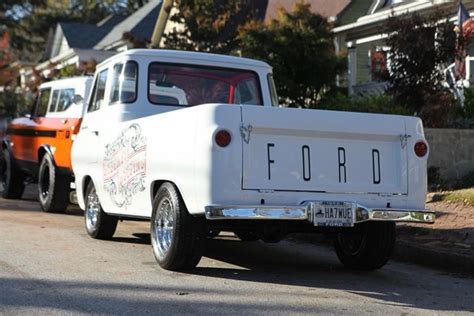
[408, 252]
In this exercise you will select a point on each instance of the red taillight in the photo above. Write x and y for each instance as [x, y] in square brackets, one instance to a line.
[223, 138]
[421, 148]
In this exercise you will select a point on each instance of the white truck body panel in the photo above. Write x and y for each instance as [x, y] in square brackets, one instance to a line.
[316, 155]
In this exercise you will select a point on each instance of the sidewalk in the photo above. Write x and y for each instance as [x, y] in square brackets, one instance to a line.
[449, 243]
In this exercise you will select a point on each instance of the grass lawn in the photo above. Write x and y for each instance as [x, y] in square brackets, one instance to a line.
[465, 196]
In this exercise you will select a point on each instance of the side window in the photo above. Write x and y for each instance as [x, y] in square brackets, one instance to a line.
[124, 83]
[65, 100]
[99, 91]
[272, 88]
[54, 101]
[42, 106]
[247, 92]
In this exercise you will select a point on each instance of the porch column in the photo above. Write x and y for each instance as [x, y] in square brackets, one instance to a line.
[351, 68]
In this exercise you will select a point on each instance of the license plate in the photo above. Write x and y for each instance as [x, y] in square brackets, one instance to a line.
[333, 214]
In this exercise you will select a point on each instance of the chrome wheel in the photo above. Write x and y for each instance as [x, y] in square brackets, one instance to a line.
[92, 210]
[163, 227]
[177, 237]
[99, 225]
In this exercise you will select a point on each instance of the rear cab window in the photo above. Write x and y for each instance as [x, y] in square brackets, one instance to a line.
[189, 85]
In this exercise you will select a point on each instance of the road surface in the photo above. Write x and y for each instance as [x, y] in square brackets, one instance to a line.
[49, 265]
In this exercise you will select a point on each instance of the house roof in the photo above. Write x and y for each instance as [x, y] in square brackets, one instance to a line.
[141, 24]
[82, 35]
[326, 8]
[372, 24]
[110, 30]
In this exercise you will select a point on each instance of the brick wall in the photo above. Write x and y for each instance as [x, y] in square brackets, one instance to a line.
[452, 151]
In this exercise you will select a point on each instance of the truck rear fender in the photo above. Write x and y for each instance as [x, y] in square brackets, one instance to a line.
[417, 166]
[156, 184]
[45, 149]
[217, 169]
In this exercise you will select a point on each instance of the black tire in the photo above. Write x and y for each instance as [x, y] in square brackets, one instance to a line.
[212, 233]
[247, 236]
[53, 187]
[99, 225]
[368, 247]
[177, 237]
[11, 177]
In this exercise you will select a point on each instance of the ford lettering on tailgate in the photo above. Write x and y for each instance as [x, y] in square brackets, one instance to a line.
[325, 165]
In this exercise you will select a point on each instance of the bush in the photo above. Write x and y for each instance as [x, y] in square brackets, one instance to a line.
[420, 47]
[299, 46]
[12, 103]
[464, 117]
[435, 181]
[466, 182]
[339, 101]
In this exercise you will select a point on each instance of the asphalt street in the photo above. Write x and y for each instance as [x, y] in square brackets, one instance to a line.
[49, 265]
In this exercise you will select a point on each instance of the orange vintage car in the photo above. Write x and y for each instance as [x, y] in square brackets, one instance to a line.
[37, 148]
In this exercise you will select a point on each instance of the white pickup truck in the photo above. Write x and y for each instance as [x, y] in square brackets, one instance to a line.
[197, 143]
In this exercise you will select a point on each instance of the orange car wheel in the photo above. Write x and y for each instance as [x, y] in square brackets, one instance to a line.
[11, 177]
[53, 187]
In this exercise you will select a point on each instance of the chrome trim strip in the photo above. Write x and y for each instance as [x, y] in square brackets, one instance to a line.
[257, 212]
[364, 214]
[305, 210]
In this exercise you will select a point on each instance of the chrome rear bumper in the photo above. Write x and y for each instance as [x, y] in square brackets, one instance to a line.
[305, 212]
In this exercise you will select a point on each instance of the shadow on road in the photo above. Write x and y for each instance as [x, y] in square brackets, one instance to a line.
[29, 203]
[289, 264]
[141, 239]
[285, 264]
[309, 266]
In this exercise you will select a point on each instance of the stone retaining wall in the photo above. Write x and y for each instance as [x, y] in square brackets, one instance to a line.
[452, 151]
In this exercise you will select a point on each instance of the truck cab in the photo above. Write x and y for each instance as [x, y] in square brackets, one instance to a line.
[37, 147]
[197, 144]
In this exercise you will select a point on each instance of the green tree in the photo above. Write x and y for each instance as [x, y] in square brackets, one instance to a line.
[12, 103]
[299, 46]
[29, 21]
[209, 25]
[421, 47]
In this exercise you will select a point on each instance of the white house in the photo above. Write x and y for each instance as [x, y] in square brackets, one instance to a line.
[364, 39]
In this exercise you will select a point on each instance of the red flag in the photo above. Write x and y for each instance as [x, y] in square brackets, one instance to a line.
[464, 23]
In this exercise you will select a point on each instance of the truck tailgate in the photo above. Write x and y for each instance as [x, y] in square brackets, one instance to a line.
[323, 151]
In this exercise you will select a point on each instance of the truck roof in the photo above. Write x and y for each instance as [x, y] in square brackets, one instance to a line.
[178, 56]
[66, 81]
